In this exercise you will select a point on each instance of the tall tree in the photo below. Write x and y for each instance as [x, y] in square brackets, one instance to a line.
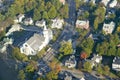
[36, 14]
[52, 12]
[87, 46]
[87, 66]
[66, 48]
[45, 15]
[21, 75]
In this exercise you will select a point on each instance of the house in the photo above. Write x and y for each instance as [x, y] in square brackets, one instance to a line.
[36, 42]
[19, 18]
[116, 64]
[4, 44]
[109, 13]
[113, 4]
[82, 24]
[118, 45]
[71, 62]
[62, 1]
[41, 23]
[96, 58]
[108, 28]
[57, 23]
[105, 2]
[15, 27]
[28, 21]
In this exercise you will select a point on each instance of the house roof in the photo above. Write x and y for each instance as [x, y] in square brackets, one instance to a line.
[40, 22]
[116, 60]
[19, 37]
[82, 22]
[71, 60]
[36, 41]
[96, 57]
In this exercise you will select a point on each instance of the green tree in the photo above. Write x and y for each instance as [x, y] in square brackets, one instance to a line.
[30, 69]
[2, 34]
[2, 17]
[36, 14]
[41, 5]
[79, 3]
[48, 5]
[21, 75]
[86, 14]
[41, 78]
[64, 11]
[111, 16]
[52, 75]
[41, 53]
[45, 15]
[19, 56]
[102, 48]
[118, 52]
[96, 22]
[106, 69]
[52, 12]
[28, 4]
[99, 69]
[66, 48]
[87, 46]
[87, 66]
[100, 13]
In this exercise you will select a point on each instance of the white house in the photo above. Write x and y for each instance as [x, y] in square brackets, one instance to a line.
[82, 24]
[97, 59]
[108, 28]
[116, 64]
[15, 27]
[41, 23]
[4, 44]
[113, 3]
[71, 62]
[105, 2]
[28, 21]
[19, 18]
[57, 23]
[36, 42]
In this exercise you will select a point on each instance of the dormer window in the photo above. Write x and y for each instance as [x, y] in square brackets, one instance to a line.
[26, 45]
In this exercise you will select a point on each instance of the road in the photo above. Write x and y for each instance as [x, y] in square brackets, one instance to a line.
[66, 34]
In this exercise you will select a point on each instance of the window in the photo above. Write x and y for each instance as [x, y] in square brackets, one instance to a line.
[26, 45]
[32, 52]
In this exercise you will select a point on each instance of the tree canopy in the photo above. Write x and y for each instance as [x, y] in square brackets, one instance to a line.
[66, 48]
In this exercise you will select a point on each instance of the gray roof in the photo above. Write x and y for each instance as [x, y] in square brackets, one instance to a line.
[40, 21]
[36, 41]
[116, 60]
[49, 31]
[96, 57]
